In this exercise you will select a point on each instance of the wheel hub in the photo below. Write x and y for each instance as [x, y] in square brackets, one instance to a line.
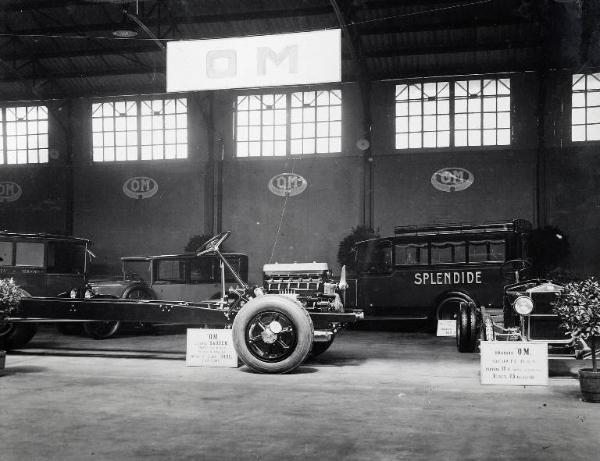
[270, 334]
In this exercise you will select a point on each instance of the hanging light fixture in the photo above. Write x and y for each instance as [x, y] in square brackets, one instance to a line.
[126, 28]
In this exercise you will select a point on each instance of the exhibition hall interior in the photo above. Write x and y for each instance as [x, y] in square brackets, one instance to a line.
[299, 229]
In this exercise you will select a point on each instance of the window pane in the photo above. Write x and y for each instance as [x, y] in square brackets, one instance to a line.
[486, 103]
[27, 132]
[478, 251]
[418, 107]
[411, 254]
[30, 254]
[116, 126]
[6, 253]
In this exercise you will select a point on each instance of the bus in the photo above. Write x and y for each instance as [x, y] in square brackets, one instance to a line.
[425, 272]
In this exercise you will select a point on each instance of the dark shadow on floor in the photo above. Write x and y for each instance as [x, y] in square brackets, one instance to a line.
[21, 369]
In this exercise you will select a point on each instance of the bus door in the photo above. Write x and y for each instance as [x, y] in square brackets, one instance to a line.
[375, 276]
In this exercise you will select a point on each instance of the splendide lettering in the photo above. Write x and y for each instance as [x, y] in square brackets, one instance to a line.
[447, 278]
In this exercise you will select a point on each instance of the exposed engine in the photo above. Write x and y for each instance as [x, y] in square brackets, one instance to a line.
[310, 283]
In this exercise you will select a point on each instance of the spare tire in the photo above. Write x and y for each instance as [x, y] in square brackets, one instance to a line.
[273, 334]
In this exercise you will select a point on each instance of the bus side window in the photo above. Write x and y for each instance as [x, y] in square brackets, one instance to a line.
[477, 251]
[410, 255]
[375, 257]
[487, 251]
[448, 252]
[441, 253]
[497, 251]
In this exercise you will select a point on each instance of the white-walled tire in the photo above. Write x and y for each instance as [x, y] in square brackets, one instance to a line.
[272, 334]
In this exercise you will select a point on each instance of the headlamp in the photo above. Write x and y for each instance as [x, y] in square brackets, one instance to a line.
[523, 305]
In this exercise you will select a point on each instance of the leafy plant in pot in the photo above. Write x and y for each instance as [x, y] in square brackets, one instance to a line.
[578, 307]
[10, 296]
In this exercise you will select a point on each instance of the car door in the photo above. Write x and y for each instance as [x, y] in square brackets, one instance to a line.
[170, 279]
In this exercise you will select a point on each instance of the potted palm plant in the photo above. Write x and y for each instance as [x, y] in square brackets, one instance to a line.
[578, 307]
[10, 296]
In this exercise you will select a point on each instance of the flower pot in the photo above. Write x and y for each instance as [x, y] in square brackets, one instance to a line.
[589, 381]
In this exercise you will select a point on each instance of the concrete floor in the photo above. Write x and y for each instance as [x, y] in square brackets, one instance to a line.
[375, 395]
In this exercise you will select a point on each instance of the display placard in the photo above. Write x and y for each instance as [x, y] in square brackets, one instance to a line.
[258, 61]
[518, 363]
[210, 348]
[446, 328]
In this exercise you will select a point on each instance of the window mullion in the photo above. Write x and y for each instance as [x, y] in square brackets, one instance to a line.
[288, 124]
[481, 99]
[451, 114]
[138, 117]
[4, 136]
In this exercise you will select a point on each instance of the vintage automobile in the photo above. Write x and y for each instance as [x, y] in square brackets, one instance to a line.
[426, 272]
[41, 265]
[181, 277]
[526, 315]
[272, 332]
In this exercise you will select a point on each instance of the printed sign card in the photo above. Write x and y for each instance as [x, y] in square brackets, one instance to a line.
[210, 348]
[519, 363]
[446, 328]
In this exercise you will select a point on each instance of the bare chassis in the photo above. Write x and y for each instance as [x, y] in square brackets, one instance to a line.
[200, 314]
[271, 333]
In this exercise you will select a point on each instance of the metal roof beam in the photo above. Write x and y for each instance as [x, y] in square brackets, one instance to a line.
[249, 15]
[454, 49]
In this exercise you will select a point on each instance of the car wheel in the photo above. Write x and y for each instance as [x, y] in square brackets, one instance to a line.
[319, 347]
[467, 328]
[141, 293]
[69, 328]
[272, 334]
[16, 335]
[102, 330]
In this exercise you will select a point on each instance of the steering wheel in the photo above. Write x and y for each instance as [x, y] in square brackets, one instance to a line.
[212, 244]
[512, 266]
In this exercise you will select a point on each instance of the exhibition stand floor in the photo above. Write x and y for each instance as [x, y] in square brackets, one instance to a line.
[374, 395]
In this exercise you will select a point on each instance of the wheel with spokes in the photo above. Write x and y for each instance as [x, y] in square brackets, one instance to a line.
[272, 334]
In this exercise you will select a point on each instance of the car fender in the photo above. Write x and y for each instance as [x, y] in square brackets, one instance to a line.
[138, 286]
